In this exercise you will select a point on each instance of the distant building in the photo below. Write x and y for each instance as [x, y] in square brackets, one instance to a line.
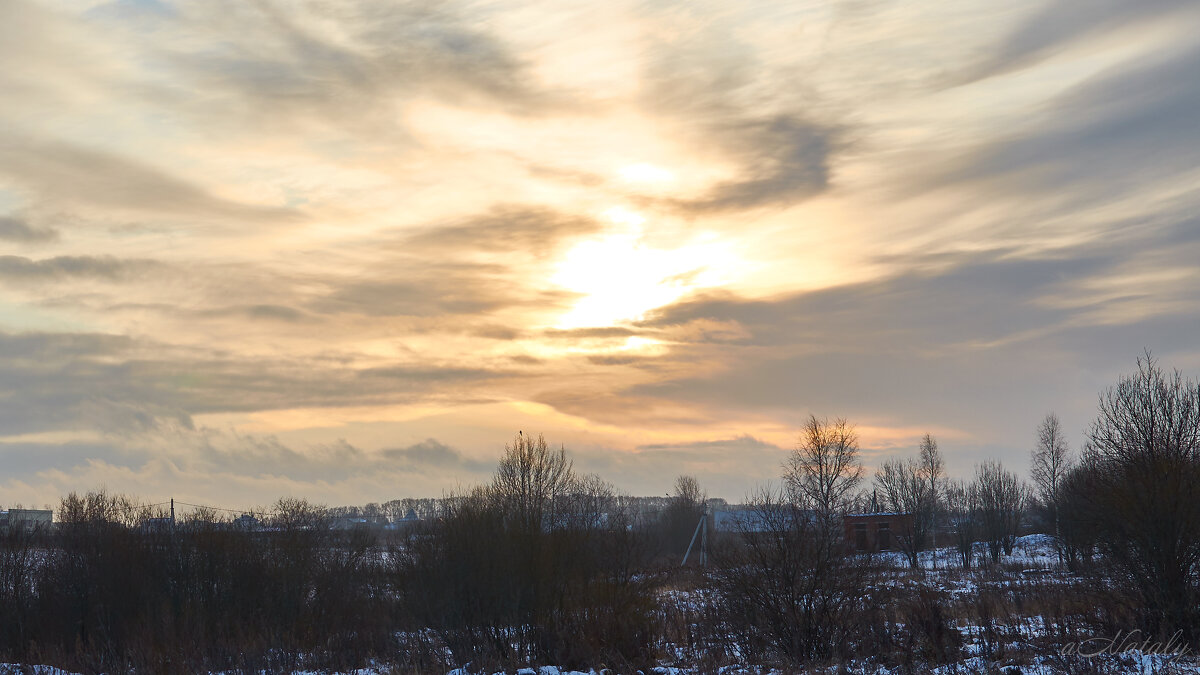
[246, 522]
[759, 520]
[409, 520]
[157, 525]
[27, 519]
[875, 532]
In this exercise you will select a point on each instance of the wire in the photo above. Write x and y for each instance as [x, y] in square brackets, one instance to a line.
[220, 508]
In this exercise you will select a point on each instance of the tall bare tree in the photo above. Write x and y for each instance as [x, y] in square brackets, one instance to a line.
[824, 469]
[932, 467]
[1001, 496]
[935, 473]
[1050, 461]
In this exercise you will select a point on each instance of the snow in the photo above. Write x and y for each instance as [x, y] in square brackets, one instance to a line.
[1013, 645]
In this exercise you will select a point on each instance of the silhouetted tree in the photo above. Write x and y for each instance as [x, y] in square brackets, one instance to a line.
[962, 512]
[530, 478]
[680, 518]
[1000, 496]
[1050, 461]
[823, 470]
[902, 487]
[1140, 496]
[934, 471]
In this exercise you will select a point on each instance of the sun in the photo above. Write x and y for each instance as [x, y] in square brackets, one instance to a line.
[620, 278]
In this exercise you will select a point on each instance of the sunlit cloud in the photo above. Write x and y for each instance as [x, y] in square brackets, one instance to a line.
[620, 277]
[642, 174]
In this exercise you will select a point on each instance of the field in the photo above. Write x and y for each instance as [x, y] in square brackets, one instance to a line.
[1023, 616]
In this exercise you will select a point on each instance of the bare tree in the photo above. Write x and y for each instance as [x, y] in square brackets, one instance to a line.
[293, 513]
[903, 488]
[1001, 496]
[935, 472]
[914, 486]
[530, 477]
[1141, 466]
[932, 467]
[687, 491]
[590, 503]
[682, 514]
[1050, 461]
[824, 469]
[962, 507]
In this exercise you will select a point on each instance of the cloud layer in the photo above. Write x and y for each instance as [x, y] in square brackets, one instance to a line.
[346, 251]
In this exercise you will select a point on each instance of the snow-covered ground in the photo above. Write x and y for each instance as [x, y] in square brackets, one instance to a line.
[1034, 551]
[1014, 644]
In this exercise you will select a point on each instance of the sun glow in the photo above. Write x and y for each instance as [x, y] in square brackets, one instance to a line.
[620, 277]
[645, 173]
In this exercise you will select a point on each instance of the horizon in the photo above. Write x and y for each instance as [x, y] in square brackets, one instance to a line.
[250, 252]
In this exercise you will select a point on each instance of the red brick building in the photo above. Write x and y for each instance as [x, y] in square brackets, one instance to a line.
[874, 532]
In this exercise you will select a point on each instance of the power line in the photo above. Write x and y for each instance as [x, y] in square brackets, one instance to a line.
[262, 512]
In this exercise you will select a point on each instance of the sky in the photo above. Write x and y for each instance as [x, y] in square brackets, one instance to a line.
[346, 251]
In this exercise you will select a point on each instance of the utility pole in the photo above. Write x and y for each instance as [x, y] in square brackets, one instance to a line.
[702, 532]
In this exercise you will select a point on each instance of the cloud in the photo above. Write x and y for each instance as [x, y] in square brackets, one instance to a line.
[206, 457]
[950, 346]
[348, 68]
[911, 305]
[431, 454]
[589, 333]
[59, 171]
[261, 312]
[58, 381]
[20, 231]
[1062, 23]
[17, 268]
[714, 87]
[59, 347]
[427, 286]
[708, 449]
[505, 229]
[780, 161]
[429, 290]
[727, 467]
[1130, 129]
[25, 459]
[1054, 239]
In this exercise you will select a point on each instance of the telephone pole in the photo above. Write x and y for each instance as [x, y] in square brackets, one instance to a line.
[702, 532]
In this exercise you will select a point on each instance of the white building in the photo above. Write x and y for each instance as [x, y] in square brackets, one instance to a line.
[28, 519]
